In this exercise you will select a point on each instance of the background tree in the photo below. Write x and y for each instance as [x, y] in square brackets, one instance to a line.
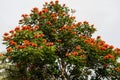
[49, 44]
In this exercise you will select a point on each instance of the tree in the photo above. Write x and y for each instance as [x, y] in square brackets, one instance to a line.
[49, 44]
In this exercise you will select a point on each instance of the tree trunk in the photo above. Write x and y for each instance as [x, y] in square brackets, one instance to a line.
[64, 74]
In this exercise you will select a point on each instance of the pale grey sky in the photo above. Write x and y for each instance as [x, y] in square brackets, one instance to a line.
[104, 14]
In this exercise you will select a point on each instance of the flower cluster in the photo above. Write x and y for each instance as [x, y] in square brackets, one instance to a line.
[117, 69]
[109, 56]
[1, 54]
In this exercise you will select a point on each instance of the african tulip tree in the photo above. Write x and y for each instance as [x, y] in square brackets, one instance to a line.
[50, 45]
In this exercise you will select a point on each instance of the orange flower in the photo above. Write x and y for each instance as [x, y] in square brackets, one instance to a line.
[98, 37]
[36, 35]
[52, 3]
[40, 12]
[26, 28]
[9, 49]
[12, 31]
[20, 21]
[6, 34]
[33, 44]
[67, 54]
[74, 33]
[56, 1]
[7, 38]
[40, 47]
[53, 15]
[117, 49]
[49, 44]
[111, 46]
[54, 18]
[86, 41]
[35, 9]
[59, 40]
[106, 57]
[43, 16]
[106, 45]
[24, 15]
[72, 17]
[26, 42]
[72, 27]
[14, 35]
[17, 29]
[79, 23]
[44, 40]
[75, 53]
[82, 56]
[46, 3]
[109, 56]
[9, 57]
[64, 27]
[36, 27]
[45, 10]
[24, 46]
[54, 30]
[80, 37]
[118, 52]
[1, 54]
[103, 48]
[85, 22]
[48, 23]
[117, 69]
[77, 47]
[82, 51]
[63, 14]
[21, 46]
[12, 43]
[92, 25]
[101, 43]
[41, 35]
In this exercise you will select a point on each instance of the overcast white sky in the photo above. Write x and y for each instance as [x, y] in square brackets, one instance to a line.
[104, 14]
